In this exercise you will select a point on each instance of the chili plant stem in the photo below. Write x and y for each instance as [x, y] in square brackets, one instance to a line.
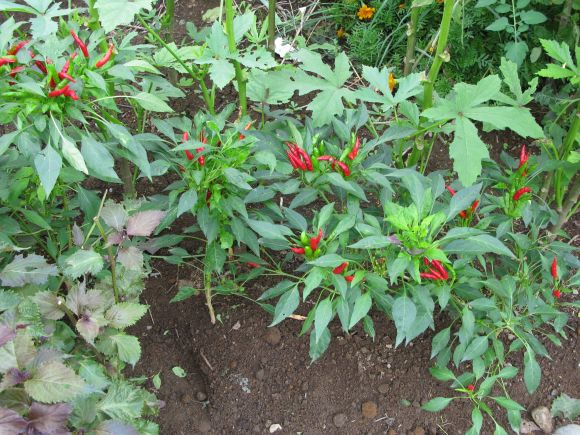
[232, 45]
[111, 257]
[566, 149]
[439, 54]
[571, 201]
[208, 296]
[411, 41]
[271, 24]
[206, 98]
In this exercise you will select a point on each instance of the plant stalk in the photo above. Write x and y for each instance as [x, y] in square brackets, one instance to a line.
[439, 54]
[208, 296]
[567, 146]
[271, 24]
[111, 258]
[411, 41]
[569, 204]
[232, 46]
[127, 177]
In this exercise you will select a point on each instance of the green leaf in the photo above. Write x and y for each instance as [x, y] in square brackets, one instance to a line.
[286, 306]
[73, 155]
[437, 404]
[123, 401]
[477, 245]
[463, 199]
[440, 341]
[318, 347]
[532, 372]
[442, 374]
[125, 314]
[179, 372]
[467, 150]
[533, 17]
[404, 313]
[128, 347]
[269, 230]
[152, 102]
[498, 25]
[329, 260]
[312, 281]
[53, 382]
[32, 269]
[373, 242]
[476, 348]
[508, 404]
[566, 407]
[99, 160]
[558, 51]
[322, 317]
[215, 257]
[82, 262]
[362, 306]
[48, 164]
[114, 13]
[187, 201]
[221, 72]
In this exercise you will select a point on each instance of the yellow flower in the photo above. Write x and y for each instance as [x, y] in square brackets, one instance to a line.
[392, 82]
[431, 49]
[365, 12]
[340, 33]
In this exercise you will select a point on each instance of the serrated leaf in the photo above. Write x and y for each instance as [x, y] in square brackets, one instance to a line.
[566, 407]
[82, 262]
[144, 223]
[32, 269]
[49, 419]
[128, 347]
[125, 314]
[54, 382]
[131, 258]
[114, 13]
[11, 422]
[114, 215]
[467, 150]
[122, 402]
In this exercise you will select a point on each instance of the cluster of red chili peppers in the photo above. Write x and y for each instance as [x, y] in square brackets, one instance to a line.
[522, 168]
[59, 81]
[299, 159]
[351, 152]
[437, 271]
[338, 270]
[465, 214]
[557, 293]
[189, 154]
[309, 245]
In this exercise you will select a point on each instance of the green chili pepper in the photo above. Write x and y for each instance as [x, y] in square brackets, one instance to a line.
[345, 153]
[317, 253]
[308, 251]
[304, 238]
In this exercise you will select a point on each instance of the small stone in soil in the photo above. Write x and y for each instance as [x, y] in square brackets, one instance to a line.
[570, 429]
[273, 336]
[384, 388]
[543, 418]
[233, 365]
[369, 409]
[204, 426]
[527, 427]
[340, 420]
[201, 396]
[275, 428]
[419, 431]
[260, 375]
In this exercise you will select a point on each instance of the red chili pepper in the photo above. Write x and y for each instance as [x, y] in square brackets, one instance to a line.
[201, 159]
[471, 387]
[202, 137]
[314, 241]
[325, 159]
[474, 205]
[58, 92]
[80, 44]
[523, 156]
[65, 76]
[103, 60]
[305, 158]
[185, 136]
[189, 155]
[345, 168]
[252, 264]
[298, 251]
[451, 191]
[41, 66]
[440, 268]
[554, 269]
[557, 294]
[71, 94]
[6, 60]
[339, 269]
[246, 128]
[207, 197]
[52, 83]
[14, 50]
[349, 278]
[352, 155]
[15, 71]
[429, 276]
[521, 192]
[463, 214]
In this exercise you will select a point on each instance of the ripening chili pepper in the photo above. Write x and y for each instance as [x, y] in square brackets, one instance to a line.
[429, 276]
[349, 278]
[521, 192]
[345, 168]
[557, 294]
[440, 269]
[58, 92]
[523, 156]
[207, 197]
[14, 50]
[6, 60]
[325, 159]
[314, 241]
[103, 60]
[463, 214]
[80, 44]
[451, 191]
[352, 155]
[252, 264]
[339, 269]
[474, 205]
[554, 269]
[298, 251]
[41, 66]
[246, 128]
[15, 71]
[305, 158]
[201, 159]
[71, 94]
[471, 387]
[65, 76]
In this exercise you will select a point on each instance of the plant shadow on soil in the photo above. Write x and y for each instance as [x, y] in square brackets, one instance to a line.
[243, 377]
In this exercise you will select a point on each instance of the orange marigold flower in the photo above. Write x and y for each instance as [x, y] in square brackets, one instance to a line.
[392, 82]
[365, 12]
[340, 33]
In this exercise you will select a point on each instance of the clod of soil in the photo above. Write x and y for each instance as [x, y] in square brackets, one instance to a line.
[340, 420]
[273, 336]
[543, 418]
[369, 409]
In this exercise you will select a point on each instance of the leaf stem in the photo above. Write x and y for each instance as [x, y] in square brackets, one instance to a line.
[232, 46]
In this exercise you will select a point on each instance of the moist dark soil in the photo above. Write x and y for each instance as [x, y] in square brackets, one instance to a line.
[244, 377]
